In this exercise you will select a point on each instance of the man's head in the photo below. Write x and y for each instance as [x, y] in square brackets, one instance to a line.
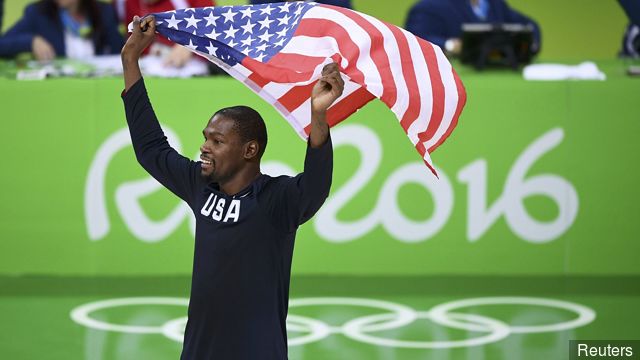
[234, 140]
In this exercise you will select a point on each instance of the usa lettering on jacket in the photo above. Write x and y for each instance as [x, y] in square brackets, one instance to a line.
[220, 209]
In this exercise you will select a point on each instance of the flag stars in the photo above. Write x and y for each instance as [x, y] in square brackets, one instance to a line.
[213, 34]
[265, 23]
[285, 7]
[260, 57]
[247, 41]
[231, 32]
[232, 43]
[192, 21]
[284, 20]
[211, 19]
[228, 16]
[191, 45]
[211, 49]
[261, 48]
[267, 10]
[283, 32]
[247, 13]
[248, 27]
[279, 43]
[173, 23]
[265, 37]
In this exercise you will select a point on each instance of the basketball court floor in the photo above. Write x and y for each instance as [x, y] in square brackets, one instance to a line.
[329, 318]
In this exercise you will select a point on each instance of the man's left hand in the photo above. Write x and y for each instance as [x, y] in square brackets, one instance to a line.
[327, 89]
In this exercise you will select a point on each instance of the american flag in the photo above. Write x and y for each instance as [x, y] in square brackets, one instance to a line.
[278, 51]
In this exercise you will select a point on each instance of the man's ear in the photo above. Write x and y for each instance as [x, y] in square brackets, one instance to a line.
[251, 149]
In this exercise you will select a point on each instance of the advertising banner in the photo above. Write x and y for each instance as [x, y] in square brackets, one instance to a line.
[538, 178]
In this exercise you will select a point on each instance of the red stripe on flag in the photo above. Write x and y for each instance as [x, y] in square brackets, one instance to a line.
[437, 86]
[462, 100]
[295, 62]
[296, 96]
[258, 80]
[421, 151]
[348, 49]
[408, 72]
[276, 74]
[345, 107]
[378, 55]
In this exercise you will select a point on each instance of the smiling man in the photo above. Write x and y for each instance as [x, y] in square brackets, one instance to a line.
[246, 221]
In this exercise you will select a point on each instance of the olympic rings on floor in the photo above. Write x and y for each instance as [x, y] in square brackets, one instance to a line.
[359, 329]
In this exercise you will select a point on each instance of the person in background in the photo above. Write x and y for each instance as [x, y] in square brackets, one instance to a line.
[66, 28]
[1, 14]
[440, 21]
[631, 39]
[343, 3]
[172, 53]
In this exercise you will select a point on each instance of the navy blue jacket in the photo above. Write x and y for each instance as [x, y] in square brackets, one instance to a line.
[343, 3]
[243, 246]
[18, 39]
[439, 20]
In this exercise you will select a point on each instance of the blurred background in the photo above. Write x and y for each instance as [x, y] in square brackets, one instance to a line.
[527, 240]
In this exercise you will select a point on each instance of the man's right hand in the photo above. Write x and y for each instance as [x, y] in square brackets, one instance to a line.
[143, 33]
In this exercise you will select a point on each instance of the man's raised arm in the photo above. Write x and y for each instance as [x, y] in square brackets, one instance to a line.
[151, 147]
[133, 48]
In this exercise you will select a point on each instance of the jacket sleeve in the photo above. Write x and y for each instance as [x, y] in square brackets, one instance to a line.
[292, 201]
[174, 171]
[19, 37]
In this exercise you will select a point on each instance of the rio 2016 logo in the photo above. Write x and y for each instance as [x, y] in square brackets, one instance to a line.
[386, 212]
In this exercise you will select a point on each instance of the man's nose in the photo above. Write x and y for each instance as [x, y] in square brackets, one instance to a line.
[204, 148]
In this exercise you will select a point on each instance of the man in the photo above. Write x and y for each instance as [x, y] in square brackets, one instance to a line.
[245, 221]
[440, 21]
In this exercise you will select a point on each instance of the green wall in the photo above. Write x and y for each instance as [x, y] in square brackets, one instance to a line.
[572, 30]
[538, 178]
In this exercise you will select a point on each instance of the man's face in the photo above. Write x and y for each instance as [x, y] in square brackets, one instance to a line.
[222, 153]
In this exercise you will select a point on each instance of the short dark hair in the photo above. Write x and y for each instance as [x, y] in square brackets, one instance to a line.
[248, 123]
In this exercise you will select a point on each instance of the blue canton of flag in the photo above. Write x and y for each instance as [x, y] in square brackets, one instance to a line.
[230, 33]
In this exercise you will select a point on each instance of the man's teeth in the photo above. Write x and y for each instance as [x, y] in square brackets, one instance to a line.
[206, 162]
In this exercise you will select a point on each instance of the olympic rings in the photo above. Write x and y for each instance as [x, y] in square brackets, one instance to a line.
[360, 329]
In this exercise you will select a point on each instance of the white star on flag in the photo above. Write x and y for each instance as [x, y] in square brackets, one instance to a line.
[265, 37]
[173, 23]
[266, 10]
[191, 46]
[211, 19]
[192, 21]
[228, 16]
[211, 49]
[285, 7]
[247, 13]
[231, 32]
[284, 20]
[248, 27]
[265, 23]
